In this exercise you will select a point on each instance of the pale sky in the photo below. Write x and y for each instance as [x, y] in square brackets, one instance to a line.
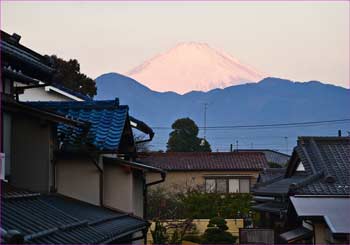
[294, 40]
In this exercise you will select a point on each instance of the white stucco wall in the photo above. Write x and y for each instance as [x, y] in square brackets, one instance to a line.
[47, 93]
[39, 94]
[118, 187]
[79, 179]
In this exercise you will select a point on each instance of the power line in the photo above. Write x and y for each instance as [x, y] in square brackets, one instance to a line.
[269, 126]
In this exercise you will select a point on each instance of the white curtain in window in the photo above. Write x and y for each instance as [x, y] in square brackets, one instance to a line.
[233, 185]
[210, 185]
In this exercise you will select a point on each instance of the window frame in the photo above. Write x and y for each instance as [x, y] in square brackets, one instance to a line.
[227, 178]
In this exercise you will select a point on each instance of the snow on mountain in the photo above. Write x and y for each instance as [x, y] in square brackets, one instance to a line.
[193, 66]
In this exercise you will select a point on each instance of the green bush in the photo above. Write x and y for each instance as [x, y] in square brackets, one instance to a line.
[217, 233]
[159, 235]
[195, 204]
[192, 238]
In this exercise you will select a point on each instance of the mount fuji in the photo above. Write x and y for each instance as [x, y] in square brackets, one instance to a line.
[193, 66]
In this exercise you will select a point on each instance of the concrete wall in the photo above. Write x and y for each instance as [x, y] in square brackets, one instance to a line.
[79, 179]
[31, 153]
[118, 187]
[181, 180]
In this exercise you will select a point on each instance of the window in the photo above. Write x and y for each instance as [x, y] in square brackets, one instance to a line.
[244, 186]
[210, 185]
[227, 185]
[233, 185]
[221, 185]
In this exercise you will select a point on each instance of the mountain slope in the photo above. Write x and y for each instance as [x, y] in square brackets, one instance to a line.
[193, 66]
[271, 100]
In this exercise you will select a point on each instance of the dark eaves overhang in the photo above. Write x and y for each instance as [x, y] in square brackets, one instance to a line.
[19, 76]
[210, 169]
[143, 127]
[10, 105]
[18, 52]
[136, 165]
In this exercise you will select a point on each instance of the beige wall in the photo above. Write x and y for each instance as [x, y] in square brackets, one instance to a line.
[138, 194]
[31, 154]
[78, 178]
[118, 186]
[183, 179]
[123, 189]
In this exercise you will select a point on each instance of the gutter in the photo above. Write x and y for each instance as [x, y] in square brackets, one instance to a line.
[12, 236]
[163, 175]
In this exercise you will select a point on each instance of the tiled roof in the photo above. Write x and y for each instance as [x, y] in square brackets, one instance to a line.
[278, 187]
[271, 155]
[11, 47]
[329, 155]
[105, 123]
[53, 219]
[188, 161]
[327, 169]
[271, 174]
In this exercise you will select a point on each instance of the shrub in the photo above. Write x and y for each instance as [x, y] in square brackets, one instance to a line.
[195, 204]
[217, 233]
[192, 238]
[171, 233]
[159, 235]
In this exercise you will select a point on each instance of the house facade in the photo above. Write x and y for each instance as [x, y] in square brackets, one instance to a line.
[222, 172]
[68, 170]
[310, 202]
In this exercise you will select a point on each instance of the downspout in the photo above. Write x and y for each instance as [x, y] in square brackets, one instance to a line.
[100, 170]
[145, 192]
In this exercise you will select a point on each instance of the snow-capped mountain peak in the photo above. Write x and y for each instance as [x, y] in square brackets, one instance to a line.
[193, 66]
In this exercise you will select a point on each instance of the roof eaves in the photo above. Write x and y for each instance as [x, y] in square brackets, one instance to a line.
[54, 117]
[115, 160]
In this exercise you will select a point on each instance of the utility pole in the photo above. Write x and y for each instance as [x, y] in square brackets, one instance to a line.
[237, 145]
[286, 139]
[205, 119]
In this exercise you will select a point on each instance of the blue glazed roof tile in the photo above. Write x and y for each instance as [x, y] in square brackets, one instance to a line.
[105, 119]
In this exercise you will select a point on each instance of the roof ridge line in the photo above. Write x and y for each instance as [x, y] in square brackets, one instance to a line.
[306, 181]
[319, 155]
[270, 181]
[308, 158]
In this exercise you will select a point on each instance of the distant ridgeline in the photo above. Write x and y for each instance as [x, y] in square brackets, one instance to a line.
[270, 101]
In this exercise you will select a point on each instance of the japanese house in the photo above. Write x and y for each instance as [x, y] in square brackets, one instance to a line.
[223, 172]
[310, 202]
[67, 168]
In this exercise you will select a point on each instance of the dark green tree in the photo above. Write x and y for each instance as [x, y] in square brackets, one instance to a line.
[217, 232]
[68, 75]
[184, 137]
